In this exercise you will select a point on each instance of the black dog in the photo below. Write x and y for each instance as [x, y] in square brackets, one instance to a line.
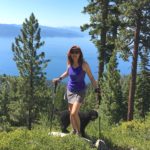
[85, 118]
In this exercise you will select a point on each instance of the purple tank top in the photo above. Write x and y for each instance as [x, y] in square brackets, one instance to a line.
[76, 81]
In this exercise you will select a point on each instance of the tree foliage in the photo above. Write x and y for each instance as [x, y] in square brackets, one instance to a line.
[30, 62]
[112, 98]
[142, 97]
[132, 38]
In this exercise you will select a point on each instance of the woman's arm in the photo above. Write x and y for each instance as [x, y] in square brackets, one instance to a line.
[87, 69]
[64, 75]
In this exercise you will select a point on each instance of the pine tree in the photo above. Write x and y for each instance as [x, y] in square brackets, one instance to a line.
[142, 97]
[18, 107]
[4, 98]
[125, 80]
[104, 22]
[112, 101]
[30, 62]
[133, 35]
[98, 11]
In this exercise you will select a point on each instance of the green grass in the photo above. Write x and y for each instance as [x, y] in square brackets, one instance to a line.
[133, 134]
[125, 136]
[38, 139]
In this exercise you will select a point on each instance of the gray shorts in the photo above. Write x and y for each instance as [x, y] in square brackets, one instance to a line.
[73, 97]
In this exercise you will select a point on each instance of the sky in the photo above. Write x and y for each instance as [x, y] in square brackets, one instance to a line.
[54, 13]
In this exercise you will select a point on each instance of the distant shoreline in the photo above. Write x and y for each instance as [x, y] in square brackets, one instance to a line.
[12, 30]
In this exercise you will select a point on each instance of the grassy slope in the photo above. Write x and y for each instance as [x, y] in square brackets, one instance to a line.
[38, 139]
[134, 134]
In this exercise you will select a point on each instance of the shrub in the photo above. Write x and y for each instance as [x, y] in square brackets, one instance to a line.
[38, 139]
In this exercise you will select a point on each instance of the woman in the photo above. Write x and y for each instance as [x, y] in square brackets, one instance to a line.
[76, 70]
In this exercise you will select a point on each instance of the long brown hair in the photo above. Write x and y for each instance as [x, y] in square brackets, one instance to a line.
[70, 60]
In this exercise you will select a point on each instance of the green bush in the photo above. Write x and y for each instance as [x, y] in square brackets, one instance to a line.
[124, 136]
[134, 134]
[38, 139]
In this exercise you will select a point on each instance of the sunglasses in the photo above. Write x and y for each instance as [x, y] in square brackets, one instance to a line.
[75, 52]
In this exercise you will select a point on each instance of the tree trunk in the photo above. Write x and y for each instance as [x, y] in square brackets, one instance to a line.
[133, 72]
[31, 101]
[103, 45]
[29, 119]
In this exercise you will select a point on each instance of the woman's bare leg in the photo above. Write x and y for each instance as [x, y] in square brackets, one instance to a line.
[71, 118]
[75, 115]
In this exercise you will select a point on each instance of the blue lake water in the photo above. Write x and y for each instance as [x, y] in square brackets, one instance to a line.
[56, 50]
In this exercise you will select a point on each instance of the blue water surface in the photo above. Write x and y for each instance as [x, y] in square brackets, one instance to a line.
[56, 50]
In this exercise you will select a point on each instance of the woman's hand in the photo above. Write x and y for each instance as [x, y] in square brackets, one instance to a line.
[56, 80]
